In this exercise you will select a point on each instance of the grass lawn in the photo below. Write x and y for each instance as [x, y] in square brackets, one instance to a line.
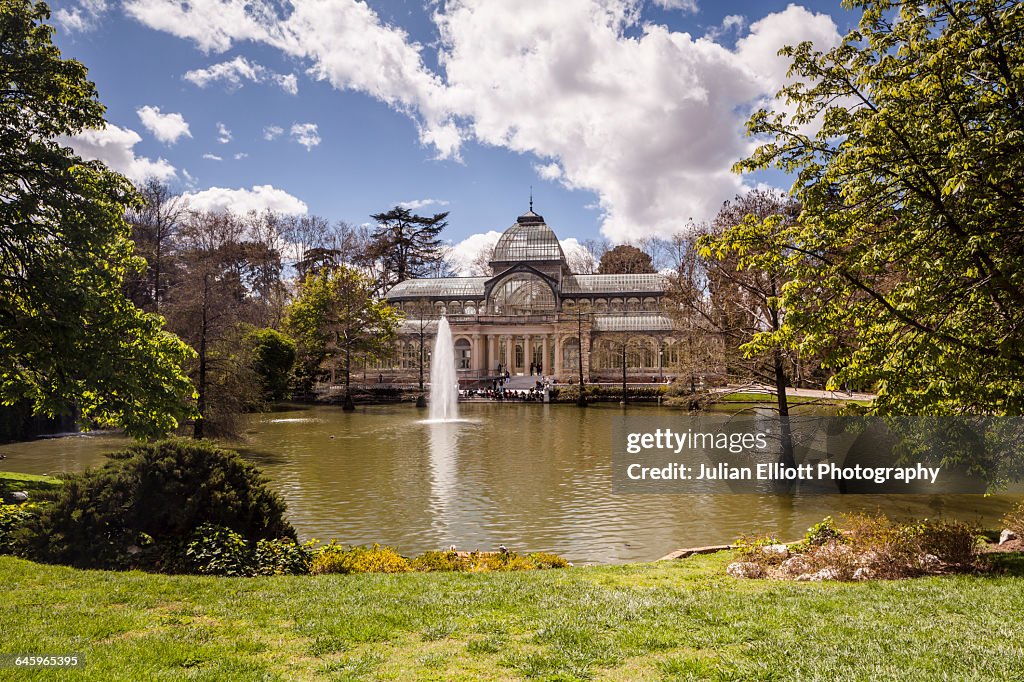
[675, 620]
[11, 481]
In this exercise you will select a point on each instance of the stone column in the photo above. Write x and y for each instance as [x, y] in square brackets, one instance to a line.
[509, 351]
[475, 353]
[556, 368]
[545, 360]
[527, 353]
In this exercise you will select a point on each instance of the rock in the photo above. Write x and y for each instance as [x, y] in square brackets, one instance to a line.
[778, 551]
[863, 573]
[134, 549]
[823, 574]
[1006, 536]
[930, 562]
[19, 496]
[795, 565]
[744, 569]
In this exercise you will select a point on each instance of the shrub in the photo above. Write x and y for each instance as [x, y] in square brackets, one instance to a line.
[155, 497]
[216, 550]
[334, 558]
[544, 560]
[1014, 520]
[282, 556]
[14, 517]
[438, 561]
[951, 541]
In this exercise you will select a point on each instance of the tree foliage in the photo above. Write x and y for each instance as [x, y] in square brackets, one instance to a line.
[625, 260]
[406, 245]
[336, 320]
[908, 144]
[68, 336]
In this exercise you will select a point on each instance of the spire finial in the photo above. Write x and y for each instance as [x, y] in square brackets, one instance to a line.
[531, 198]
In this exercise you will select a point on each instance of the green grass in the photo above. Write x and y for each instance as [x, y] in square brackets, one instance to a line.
[11, 481]
[678, 620]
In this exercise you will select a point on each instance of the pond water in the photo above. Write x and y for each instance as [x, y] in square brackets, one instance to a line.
[531, 477]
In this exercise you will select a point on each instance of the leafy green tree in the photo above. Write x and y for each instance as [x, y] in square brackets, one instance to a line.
[405, 245]
[273, 358]
[908, 144]
[336, 318]
[68, 336]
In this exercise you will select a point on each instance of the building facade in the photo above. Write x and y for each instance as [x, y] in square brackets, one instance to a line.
[533, 315]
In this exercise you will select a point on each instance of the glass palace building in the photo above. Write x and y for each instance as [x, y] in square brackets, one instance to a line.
[534, 314]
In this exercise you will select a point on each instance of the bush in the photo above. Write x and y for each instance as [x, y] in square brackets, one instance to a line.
[143, 506]
[438, 561]
[14, 517]
[216, 550]
[1014, 520]
[951, 541]
[334, 558]
[282, 556]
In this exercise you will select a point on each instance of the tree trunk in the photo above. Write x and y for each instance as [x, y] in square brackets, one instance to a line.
[348, 405]
[787, 457]
[198, 430]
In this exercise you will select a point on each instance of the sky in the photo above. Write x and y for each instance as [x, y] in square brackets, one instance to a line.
[623, 117]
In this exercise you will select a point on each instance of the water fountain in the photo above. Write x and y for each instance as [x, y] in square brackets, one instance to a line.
[444, 382]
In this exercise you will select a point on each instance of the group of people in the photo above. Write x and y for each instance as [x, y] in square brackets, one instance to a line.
[500, 393]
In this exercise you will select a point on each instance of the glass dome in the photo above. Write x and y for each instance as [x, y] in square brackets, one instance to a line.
[530, 239]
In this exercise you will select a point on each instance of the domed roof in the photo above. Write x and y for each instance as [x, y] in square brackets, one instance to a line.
[530, 239]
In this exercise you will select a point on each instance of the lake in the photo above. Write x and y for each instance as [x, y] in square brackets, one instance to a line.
[529, 476]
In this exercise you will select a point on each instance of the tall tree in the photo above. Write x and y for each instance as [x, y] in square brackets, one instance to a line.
[405, 245]
[908, 142]
[336, 318]
[625, 260]
[155, 222]
[68, 336]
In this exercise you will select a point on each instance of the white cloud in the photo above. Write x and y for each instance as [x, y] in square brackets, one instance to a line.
[306, 134]
[732, 22]
[548, 171]
[240, 69]
[465, 254]
[240, 155]
[212, 157]
[114, 146]
[649, 119]
[259, 198]
[223, 134]
[289, 83]
[420, 203]
[272, 132]
[684, 5]
[168, 128]
[83, 17]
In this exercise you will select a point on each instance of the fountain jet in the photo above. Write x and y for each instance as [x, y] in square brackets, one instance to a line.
[444, 382]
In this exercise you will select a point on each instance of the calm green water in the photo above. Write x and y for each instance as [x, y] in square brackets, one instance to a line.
[531, 477]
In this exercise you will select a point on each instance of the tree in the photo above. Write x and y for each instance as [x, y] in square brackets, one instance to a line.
[405, 245]
[273, 357]
[155, 223]
[69, 339]
[223, 276]
[336, 317]
[907, 144]
[625, 260]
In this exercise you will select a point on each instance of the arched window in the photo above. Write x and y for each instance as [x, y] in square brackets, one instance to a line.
[455, 308]
[522, 294]
[463, 354]
[571, 353]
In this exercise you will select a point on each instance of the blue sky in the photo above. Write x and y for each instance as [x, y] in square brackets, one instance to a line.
[624, 116]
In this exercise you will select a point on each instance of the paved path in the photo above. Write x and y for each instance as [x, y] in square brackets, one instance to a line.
[798, 392]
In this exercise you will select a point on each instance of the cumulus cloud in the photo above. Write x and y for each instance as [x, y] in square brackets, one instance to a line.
[223, 134]
[649, 119]
[306, 134]
[236, 71]
[168, 128]
[272, 132]
[259, 198]
[114, 146]
[465, 255]
[684, 5]
[420, 203]
[82, 17]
